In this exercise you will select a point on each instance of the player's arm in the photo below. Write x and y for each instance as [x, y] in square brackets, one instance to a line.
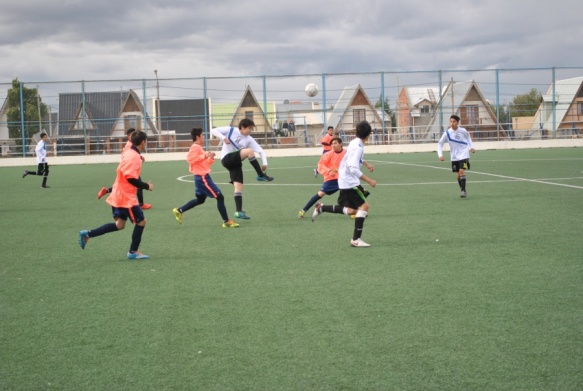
[471, 144]
[325, 141]
[440, 146]
[140, 184]
[369, 166]
[257, 148]
[221, 133]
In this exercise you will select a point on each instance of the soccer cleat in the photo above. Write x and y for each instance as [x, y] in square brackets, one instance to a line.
[137, 255]
[317, 211]
[45, 187]
[242, 215]
[264, 178]
[25, 173]
[463, 194]
[177, 215]
[359, 243]
[83, 238]
[353, 216]
[101, 192]
[315, 173]
[301, 214]
[146, 206]
[230, 224]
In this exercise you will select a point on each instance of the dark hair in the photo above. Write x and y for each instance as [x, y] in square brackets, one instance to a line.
[195, 132]
[455, 117]
[246, 123]
[43, 134]
[330, 127]
[130, 131]
[137, 137]
[336, 139]
[363, 130]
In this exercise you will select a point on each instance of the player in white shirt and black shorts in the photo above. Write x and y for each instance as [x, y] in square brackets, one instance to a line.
[41, 159]
[238, 145]
[460, 146]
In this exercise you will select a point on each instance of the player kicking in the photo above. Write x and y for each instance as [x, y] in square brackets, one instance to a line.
[328, 167]
[460, 146]
[352, 198]
[238, 145]
[123, 201]
[200, 162]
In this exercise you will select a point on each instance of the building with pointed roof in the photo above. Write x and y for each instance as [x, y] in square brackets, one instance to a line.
[567, 102]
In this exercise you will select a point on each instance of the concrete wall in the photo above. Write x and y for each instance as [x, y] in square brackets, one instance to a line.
[370, 149]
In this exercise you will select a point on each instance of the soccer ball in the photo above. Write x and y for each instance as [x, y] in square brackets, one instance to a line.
[311, 90]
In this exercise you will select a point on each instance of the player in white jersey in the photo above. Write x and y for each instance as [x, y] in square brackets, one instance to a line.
[41, 159]
[352, 198]
[460, 146]
[238, 145]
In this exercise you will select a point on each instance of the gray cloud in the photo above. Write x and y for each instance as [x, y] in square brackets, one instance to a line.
[81, 39]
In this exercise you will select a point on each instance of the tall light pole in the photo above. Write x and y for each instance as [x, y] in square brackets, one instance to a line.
[158, 122]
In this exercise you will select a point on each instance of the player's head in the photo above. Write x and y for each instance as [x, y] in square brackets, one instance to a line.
[195, 133]
[454, 121]
[130, 131]
[246, 125]
[363, 130]
[138, 138]
[336, 143]
[43, 135]
[330, 130]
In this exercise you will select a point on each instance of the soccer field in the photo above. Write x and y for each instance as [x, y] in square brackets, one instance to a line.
[480, 293]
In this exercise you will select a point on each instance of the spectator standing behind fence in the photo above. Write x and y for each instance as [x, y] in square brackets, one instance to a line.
[292, 127]
[285, 129]
[326, 142]
[41, 159]
[460, 146]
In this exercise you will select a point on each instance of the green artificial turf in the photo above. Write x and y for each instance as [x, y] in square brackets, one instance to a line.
[483, 293]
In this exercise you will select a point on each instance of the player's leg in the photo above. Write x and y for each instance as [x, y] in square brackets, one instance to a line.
[248, 153]
[45, 174]
[140, 224]
[120, 215]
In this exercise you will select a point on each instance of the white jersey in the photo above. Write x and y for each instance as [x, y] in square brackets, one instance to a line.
[349, 171]
[237, 141]
[41, 152]
[460, 143]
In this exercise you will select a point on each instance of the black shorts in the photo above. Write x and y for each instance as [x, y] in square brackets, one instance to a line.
[233, 163]
[352, 198]
[460, 165]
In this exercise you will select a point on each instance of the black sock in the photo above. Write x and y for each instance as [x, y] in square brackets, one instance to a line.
[44, 181]
[256, 166]
[333, 208]
[463, 183]
[239, 202]
[104, 229]
[311, 202]
[358, 225]
[459, 182]
[136, 238]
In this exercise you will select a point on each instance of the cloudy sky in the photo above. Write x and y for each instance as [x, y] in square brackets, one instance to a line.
[66, 40]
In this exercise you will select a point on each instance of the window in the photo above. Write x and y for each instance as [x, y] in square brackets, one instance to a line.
[579, 108]
[358, 115]
[424, 109]
[249, 115]
[469, 115]
[133, 121]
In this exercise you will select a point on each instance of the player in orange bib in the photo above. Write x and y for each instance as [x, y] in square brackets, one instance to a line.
[123, 200]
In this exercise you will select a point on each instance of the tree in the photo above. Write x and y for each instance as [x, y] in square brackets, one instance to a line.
[525, 105]
[34, 111]
[388, 111]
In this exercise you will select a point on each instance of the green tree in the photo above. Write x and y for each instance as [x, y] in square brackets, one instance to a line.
[525, 105]
[34, 111]
[388, 111]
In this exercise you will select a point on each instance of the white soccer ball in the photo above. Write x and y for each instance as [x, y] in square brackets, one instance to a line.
[311, 90]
